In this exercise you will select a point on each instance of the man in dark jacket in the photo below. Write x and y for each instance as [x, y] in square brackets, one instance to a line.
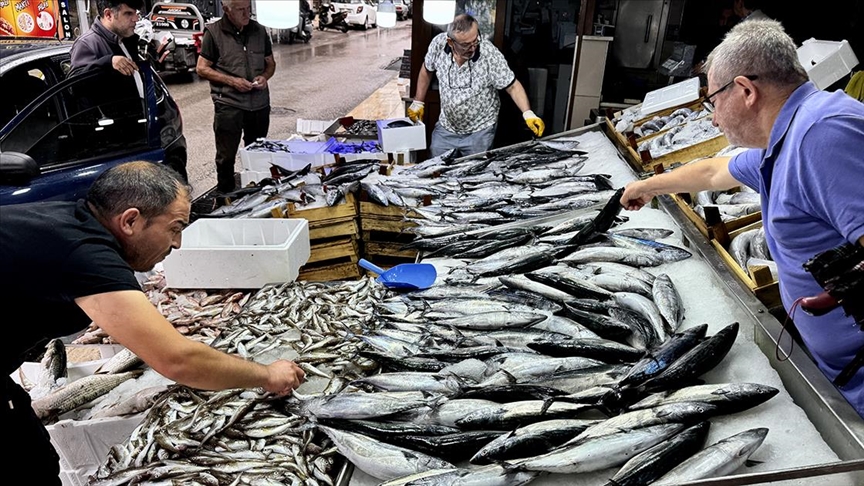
[111, 40]
[237, 59]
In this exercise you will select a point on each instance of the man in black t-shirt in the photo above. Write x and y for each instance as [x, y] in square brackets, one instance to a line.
[65, 264]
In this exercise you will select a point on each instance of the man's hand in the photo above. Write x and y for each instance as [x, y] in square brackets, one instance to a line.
[635, 196]
[260, 82]
[285, 376]
[123, 65]
[534, 123]
[415, 111]
[242, 85]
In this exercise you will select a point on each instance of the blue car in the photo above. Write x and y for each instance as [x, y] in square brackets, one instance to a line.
[58, 133]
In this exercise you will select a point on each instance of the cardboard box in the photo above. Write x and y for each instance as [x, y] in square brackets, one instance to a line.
[238, 253]
[826, 61]
[401, 139]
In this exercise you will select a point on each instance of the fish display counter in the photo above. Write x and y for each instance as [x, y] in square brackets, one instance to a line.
[803, 433]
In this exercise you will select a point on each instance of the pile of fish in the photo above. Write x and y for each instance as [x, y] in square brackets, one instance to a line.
[510, 381]
[304, 189]
[363, 128]
[54, 395]
[660, 123]
[731, 205]
[198, 314]
[680, 136]
[749, 248]
[251, 437]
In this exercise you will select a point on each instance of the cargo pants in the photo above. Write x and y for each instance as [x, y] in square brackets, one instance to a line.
[230, 124]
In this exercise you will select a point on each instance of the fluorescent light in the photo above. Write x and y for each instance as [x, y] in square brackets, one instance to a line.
[386, 14]
[439, 12]
[278, 15]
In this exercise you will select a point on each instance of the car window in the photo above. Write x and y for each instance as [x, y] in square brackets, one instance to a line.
[29, 84]
[92, 122]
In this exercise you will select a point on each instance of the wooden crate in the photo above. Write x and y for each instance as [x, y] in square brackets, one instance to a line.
[382, 243]
[335, 249]
[643, 162]
[328, 271]
[712, 227]
[346, 209]
[757, 278]
[630, 140]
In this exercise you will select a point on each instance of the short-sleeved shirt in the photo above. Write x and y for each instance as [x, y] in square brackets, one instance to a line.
[813, 176]
[241, 54]
[51, 254]
[469, 93]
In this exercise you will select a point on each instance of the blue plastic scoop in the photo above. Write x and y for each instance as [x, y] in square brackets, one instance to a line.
[406, 276]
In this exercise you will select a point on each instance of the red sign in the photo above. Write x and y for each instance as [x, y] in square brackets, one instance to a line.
[34, 19]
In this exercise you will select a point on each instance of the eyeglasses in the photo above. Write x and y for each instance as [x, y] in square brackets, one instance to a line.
[709, 106]
[465, 46]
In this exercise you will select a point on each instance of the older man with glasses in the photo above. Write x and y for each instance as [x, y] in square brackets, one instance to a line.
[470, 71]
[805, 161]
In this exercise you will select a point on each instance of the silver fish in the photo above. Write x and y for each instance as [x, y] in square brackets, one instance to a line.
[719, 459]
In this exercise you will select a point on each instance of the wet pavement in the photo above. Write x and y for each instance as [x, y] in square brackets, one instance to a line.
[321, 80]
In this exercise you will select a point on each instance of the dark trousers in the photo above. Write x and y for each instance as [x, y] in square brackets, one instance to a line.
[229, 124]
[28, 443]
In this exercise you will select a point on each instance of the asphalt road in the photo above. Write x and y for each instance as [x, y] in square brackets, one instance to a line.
[321, 80]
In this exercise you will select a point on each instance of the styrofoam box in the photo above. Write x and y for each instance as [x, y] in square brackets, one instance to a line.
[826, 61]
[238, 253]
[301, 154]
[83, 445]
[669, 96]
[253, 176]
[401, 139]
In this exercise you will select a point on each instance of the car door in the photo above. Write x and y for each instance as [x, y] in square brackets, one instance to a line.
[79, 128]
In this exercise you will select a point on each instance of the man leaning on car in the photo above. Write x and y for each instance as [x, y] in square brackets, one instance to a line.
[111, 40]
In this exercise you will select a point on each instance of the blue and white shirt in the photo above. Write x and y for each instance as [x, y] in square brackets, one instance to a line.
[469, 93]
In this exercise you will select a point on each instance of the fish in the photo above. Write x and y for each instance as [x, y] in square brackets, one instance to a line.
[379, 459]
[668, 253]
[455, 447]
[660, 358]
[727, 397]
[604, 350]
[508, 415]
[719, 459]
[528, 440]
[351, 406]
[410, 381]
[599, 453]
[124, 360]
[638, 258]
[699, 360]
[491, 475]
[645, 307]
[648, 466]
[384, 430]
[53, 366]
[668, 302]
[79, 392]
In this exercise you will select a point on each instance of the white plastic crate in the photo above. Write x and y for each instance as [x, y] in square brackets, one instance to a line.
[300, 154]
[826, 61]
[401, 139]
[238, 253]
[253, 176]
[83, 445]
[669, 96]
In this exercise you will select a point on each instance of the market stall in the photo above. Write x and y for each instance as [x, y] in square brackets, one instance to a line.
[345, 332]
